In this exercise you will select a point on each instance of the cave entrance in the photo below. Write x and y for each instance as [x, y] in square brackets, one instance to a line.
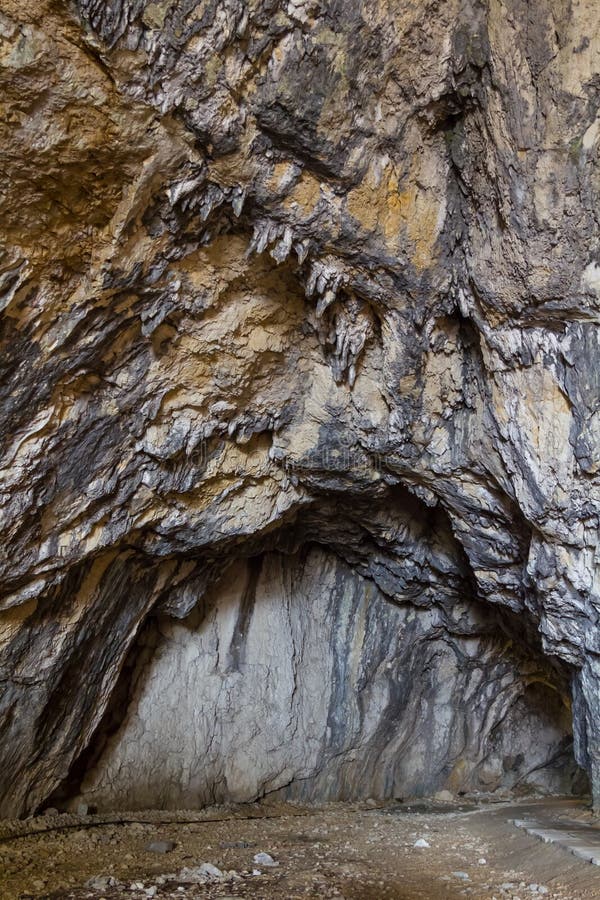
[296, 677]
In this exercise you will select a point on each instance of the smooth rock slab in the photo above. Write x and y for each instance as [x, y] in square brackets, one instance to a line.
[582, 842]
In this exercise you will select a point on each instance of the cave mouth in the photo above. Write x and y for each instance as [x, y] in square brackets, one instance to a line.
[295, 677]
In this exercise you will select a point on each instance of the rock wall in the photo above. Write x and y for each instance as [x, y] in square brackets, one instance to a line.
[298, 676]
[292, 271]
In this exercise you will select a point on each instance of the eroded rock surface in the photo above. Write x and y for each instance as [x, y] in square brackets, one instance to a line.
[297, 677]
[288, 272]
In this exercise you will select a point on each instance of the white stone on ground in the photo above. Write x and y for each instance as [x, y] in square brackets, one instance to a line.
[264, 859]
[421, 843]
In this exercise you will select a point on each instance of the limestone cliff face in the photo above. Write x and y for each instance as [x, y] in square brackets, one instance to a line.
[287, 273]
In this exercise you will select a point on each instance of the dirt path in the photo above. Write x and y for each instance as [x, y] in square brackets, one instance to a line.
[355, 852]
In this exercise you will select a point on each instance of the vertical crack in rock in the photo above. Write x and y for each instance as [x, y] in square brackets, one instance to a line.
[242, 624]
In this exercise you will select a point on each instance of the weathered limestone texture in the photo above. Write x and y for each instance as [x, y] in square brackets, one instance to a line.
[288, 272]
[298, 676]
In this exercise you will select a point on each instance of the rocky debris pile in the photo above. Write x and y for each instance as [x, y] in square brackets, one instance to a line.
[204, 873]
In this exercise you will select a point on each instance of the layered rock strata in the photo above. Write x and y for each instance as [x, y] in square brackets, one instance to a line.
[277, 273]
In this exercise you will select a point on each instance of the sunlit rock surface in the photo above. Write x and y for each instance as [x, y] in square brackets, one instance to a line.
[277, 273]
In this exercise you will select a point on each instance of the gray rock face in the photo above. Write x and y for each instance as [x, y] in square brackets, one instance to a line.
[298, 677]
[290, 273]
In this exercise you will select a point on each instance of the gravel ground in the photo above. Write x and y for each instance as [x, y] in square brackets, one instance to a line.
[360, 851]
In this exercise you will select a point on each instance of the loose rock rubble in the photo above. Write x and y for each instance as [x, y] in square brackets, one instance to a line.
[338, 851]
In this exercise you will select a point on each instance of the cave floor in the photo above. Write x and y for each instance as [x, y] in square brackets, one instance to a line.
[354, 851]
